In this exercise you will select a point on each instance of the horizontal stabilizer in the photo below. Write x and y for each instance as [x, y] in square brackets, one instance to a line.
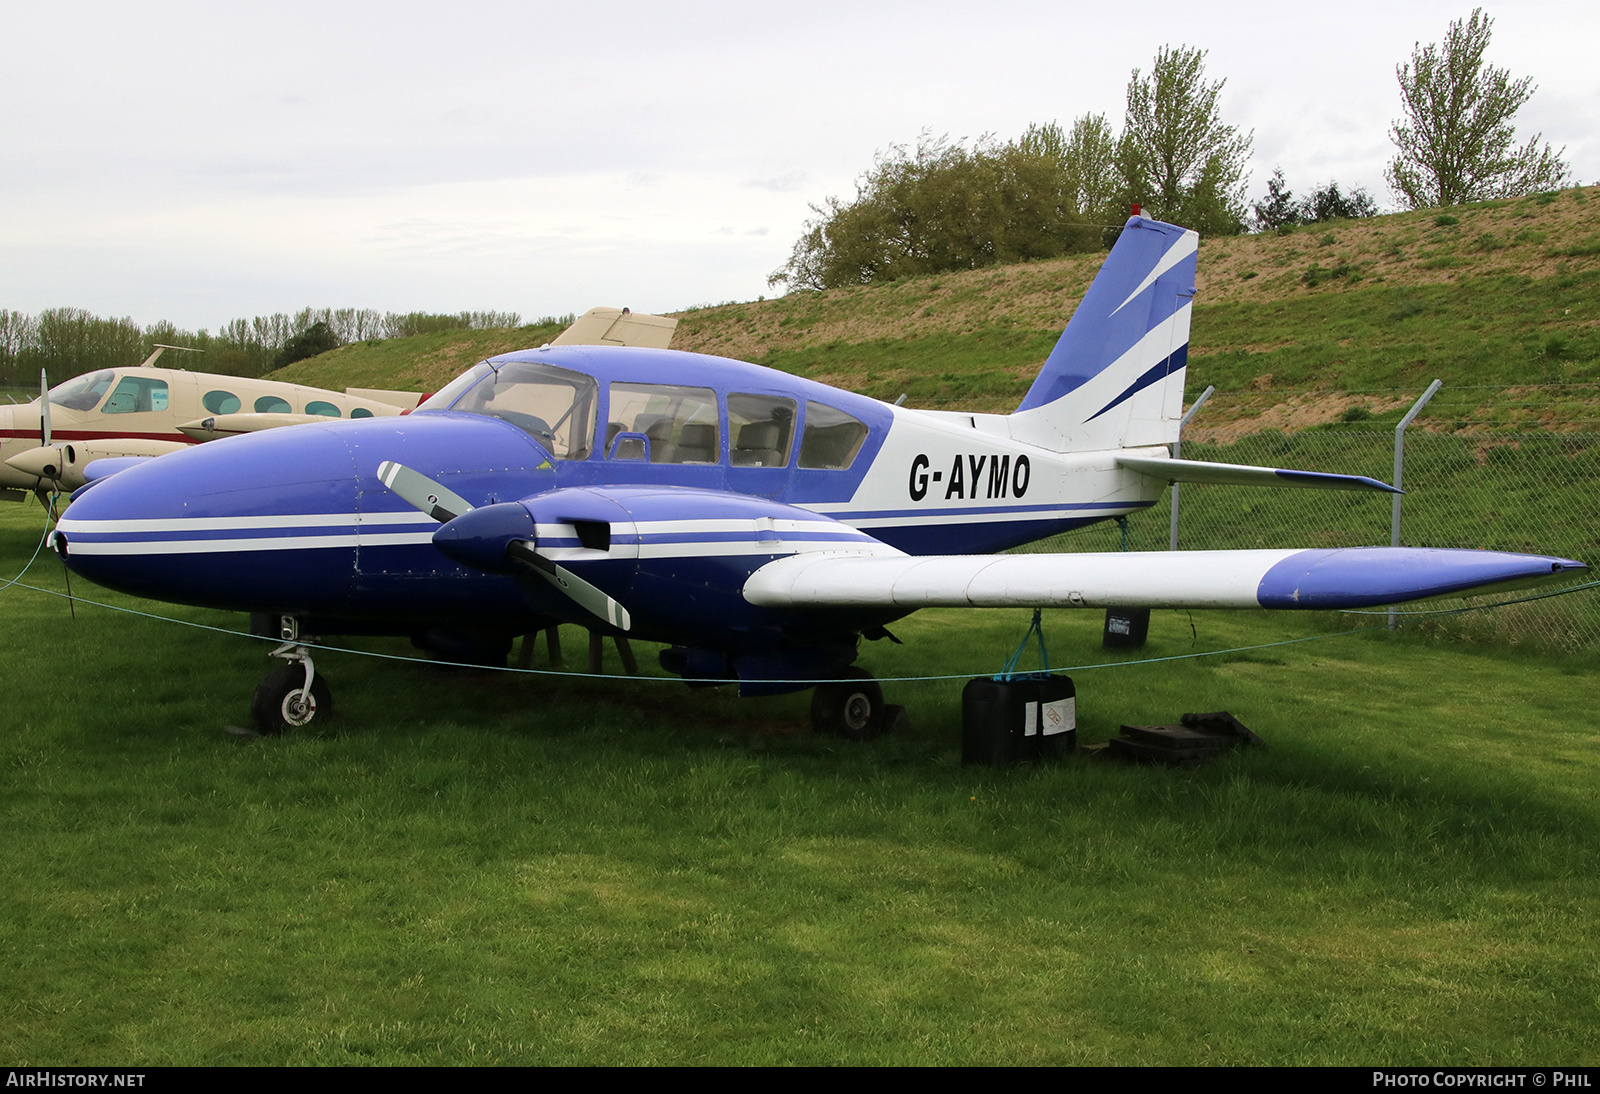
[618, 327]
[1235, 474]
[1356, 577]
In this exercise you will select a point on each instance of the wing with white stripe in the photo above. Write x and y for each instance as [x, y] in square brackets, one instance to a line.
[1349, 578]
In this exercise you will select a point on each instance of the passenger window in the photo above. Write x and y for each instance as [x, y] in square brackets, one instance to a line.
[220, 402]
[327, 410]
[272, 404]
[137, 394]
[680, 422]
[762, 428]
[361, 412]
[831, 439]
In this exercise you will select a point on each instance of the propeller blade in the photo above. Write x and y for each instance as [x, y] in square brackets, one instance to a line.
[444, 505]
[44, 410]
[586, 596]
[439, 502]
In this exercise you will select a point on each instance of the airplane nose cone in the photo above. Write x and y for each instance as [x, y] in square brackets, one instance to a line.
[215, 525]
[287, 520]
[45, 461]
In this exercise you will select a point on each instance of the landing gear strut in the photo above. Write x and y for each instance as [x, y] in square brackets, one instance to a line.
[851, 708]
[292, 695]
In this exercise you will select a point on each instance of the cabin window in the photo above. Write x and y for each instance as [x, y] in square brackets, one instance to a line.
[680, 422]
[831, 439]
[220, 402]
[361, 412]
[82, 392]
[554, 406]
[272, 404]
[137, 394]
[327, 410]
[762, 429]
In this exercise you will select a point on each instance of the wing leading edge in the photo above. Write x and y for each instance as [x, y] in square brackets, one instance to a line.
[1356, 577]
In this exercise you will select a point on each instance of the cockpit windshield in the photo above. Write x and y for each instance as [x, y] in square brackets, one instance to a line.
[441, 399]
[83, 392]
[555, 406]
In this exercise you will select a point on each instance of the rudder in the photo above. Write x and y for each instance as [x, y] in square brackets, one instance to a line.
[1115, 378]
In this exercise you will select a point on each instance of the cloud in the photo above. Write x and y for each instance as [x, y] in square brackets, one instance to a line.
[787, 183]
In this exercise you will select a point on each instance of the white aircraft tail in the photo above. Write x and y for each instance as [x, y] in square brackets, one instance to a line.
[1115, 379]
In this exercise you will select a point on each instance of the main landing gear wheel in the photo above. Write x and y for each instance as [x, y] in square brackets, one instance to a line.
[279, 703]
[852, 708]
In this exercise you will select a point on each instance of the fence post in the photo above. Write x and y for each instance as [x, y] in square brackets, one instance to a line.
[1399, 471]
[1177, 449]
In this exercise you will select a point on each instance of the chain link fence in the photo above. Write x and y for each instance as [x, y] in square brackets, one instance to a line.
[1535, 492]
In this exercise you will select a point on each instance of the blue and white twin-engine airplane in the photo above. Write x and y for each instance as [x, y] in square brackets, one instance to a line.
[757, 523]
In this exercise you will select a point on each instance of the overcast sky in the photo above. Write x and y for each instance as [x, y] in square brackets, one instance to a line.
[201, 161]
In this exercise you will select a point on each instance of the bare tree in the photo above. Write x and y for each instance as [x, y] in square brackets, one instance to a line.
[1456, 140]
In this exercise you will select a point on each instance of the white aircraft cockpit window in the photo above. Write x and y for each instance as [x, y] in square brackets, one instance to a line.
[137, 395]
[221, 402]
[762, 428]
[554, 406]
[361, 412]
[327, 410]
[831, 439]
[82, 392]
[272, 404]
[680, 422]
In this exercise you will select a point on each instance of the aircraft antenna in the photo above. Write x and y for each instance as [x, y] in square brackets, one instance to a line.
[160, 349]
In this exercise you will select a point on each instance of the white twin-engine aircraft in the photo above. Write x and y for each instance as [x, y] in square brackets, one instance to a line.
[757, 523]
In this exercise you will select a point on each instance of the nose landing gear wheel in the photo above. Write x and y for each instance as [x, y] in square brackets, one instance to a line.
[852, 709]
[278, 704]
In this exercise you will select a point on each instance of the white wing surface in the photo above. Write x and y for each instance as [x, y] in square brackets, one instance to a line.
[1349, 578]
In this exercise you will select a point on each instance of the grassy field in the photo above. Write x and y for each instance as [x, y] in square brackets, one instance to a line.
[467, 867]
[476, 867]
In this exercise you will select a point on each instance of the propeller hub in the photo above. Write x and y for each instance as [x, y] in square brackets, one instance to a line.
[480, 538]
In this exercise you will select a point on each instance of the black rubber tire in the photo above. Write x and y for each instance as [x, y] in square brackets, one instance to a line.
[274, 708]
[852, 709]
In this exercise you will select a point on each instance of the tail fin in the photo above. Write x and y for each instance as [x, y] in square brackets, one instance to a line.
[1115, 379]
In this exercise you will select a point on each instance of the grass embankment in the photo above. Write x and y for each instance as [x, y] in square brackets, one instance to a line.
[468, 867]
[1488, 296]
[424, 362]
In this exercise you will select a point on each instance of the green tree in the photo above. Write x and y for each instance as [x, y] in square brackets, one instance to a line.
[1090, 158]
[1330, 203]
[1176, 157]
[1456, 142]
[71, 341]
[942, 207]
[315, 339]
[1278, 209]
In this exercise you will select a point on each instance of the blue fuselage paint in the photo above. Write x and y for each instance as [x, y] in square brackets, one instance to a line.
[294, 521]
